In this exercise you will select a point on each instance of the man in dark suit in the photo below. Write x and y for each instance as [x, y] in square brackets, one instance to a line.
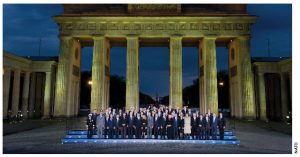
[130, 125]
[138, 126]
[156, 125]
[201, 127]
[94, 118]
[221, 124]
[163, 121]
[175, 126]
[214, 127]
[181, 126]
[106, 129]
[210, 115]
[169, 127]
[206, 123]
[110, 126]
[117, 126]
[123, 120]
[194, 126]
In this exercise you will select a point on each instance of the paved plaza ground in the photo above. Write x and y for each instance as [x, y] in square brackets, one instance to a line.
[45, 137]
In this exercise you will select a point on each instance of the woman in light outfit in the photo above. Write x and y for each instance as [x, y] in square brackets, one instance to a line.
[187, 126]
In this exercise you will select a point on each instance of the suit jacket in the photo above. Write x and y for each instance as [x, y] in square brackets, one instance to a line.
[150, 121]
[221, 122]
[130, 121]
[176, 122]
[117, 122]
[94, 117]
[163, 122]
[110, 123]
[138, 122]
[206, 123]
[201, 122]
[90, 123]
[106, 122]
[123, 120]
[100, 122]
[214, 123]
[156, 122]
[181, 123]
[194, 122]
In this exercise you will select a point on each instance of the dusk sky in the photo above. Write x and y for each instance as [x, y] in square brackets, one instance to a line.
[24, 25]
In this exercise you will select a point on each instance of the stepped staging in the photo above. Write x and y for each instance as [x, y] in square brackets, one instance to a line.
[80, 136]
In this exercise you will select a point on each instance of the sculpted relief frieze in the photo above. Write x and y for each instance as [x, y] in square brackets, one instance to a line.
[119, 27]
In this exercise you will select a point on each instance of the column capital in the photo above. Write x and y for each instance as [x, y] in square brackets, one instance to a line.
[65, 37]
[98, 37]
[132, 36]
[6, 70]
[17, 70]
[212, 37]
[244, 37]
[176, 36]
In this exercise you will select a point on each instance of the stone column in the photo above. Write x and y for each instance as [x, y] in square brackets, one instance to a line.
[132, 72]
[32, 95]
[16, 93]
[262, 96]
[208, 76]
[247, 81]
[25, 94]
[63, 76]
[6, 87]
[98, 92]
[284, 95]
[175, 97]
[47, 95]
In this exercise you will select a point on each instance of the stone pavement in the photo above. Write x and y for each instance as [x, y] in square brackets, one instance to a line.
[47, 139]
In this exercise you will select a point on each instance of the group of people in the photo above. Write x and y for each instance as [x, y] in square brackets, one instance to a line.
[162, 122]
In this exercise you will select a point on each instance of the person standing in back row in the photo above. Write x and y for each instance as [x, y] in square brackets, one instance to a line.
[187, 126]
[150, 125]
[214, 127]
[222, 124]
[100, 123]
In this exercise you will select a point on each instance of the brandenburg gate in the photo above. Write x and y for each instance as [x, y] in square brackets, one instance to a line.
[204, 26]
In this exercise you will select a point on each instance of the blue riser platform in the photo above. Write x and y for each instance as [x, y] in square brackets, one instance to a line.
[96, 137]
[152, 141]
[226, 133]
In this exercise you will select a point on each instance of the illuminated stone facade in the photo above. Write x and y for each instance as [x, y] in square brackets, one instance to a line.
[51, 88]
[37, 77]
[136, 25]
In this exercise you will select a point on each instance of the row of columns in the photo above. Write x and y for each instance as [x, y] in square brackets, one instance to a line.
[262, 94]
[99, 91]
[132, 73]
[207, 66]
[28, 86]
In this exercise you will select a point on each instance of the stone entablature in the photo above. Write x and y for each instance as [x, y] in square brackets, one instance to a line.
[16, 62]
[155, 26]
[154, 9]
[274, 67]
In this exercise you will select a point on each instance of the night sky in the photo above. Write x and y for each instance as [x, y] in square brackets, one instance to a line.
[24, 25]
